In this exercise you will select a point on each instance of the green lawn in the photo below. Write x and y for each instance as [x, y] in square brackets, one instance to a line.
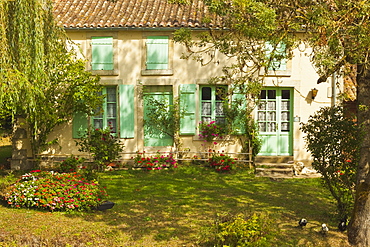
[173, 208]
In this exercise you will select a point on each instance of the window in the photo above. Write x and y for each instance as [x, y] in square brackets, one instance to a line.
[107, 114]
[115, 110]
[157, 52]
[277, 64]
[212, 103]
[157, 59]
[102, 53]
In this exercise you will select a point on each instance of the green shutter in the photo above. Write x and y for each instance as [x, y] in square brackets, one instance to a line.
[102, 53]
[187, 102]
[157, 52]
[239, 101]
[127, 107]
[79, 124]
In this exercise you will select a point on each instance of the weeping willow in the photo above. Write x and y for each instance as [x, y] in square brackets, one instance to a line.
[40, 78]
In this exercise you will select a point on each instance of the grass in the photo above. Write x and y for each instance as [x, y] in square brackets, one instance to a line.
[174, 208]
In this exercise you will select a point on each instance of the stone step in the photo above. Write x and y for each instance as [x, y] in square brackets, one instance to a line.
[273, 159]
[274, 165]
[274, 172]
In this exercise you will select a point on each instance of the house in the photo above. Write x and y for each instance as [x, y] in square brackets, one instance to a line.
[129, 44]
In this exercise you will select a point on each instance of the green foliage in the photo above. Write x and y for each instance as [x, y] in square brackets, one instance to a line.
[42, 80]
[154, 162]
[102, 144]
[334, 142]
[55, 192]
[71, 164]
[221, 162]
[164, 117]
[241, 230]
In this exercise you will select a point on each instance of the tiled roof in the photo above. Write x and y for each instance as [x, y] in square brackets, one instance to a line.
[131, 14]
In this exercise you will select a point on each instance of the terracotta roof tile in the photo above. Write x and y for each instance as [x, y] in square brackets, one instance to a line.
[130, 13]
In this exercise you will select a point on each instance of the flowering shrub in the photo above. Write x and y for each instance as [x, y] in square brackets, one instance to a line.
[156, 162]
[209, 131]
[55, 191]
[221, 162]
[102, 144]
[333, 139]
[70, 164]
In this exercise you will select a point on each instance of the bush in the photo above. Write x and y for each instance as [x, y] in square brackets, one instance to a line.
[240, 230]
[55, 192]
[102, 144]
[155, 162]
[334, 142]
[71, 164]
[221, 162]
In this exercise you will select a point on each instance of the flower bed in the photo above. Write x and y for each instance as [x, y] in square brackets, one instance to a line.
[55, 191]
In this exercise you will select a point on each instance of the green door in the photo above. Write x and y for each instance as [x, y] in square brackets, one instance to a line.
[274, 117]
[154, 135]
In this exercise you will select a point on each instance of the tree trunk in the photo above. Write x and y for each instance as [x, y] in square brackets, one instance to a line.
[359, 227]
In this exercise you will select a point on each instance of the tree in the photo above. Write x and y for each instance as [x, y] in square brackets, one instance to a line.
[333, 140]
[40, 77]
[338, 32]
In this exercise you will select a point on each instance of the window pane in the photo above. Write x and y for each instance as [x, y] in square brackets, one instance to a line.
[111, 94]
[219, 109]
[285, 116]
[262, 127]
[271, 105]
[206, 108]
[111, 110]
[98, 123]
[262, 106]
[112, 124]
[271, 116]
[285, 105]
[285, 127]
[271, 94]
[220, 120]
[220, 93]
[285, 94]
[271, 127]
[263, 94]
[206, 93]
[206, 119]
[261, 116]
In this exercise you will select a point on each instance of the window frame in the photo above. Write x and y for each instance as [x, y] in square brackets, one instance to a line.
[286, 71]
[104, 115]
[213, 102]
[148, 71]
[89, 53]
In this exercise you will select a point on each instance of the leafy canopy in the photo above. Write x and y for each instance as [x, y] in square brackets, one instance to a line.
[40, 77]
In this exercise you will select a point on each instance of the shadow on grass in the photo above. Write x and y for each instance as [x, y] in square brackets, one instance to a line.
[179, 204]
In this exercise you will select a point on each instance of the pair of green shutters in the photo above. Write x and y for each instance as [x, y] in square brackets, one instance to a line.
[156, 53]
